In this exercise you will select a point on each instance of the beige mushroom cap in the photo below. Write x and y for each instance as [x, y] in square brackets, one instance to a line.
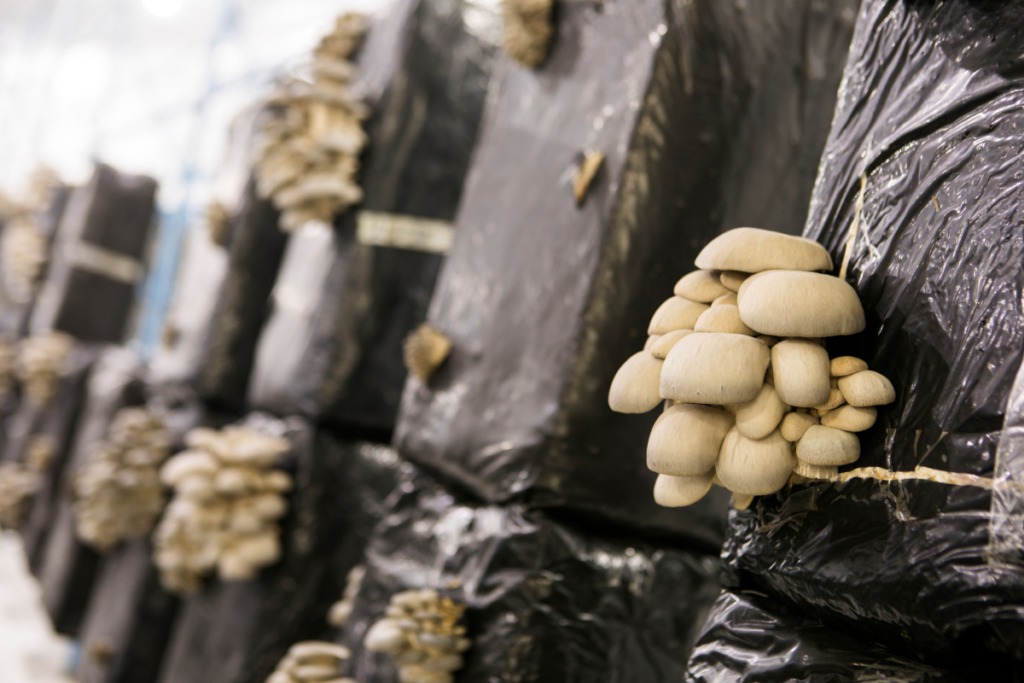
[660, 348]
[842, 366]
[806, 469]
[676, 313]
[752, 250]
[795, 425]
[703, 286]
[867, 388]
[635, 386]
[726, 300]
[800, 371]
[733, 279]
[722, 319]
[674, 492]
[755, 468]
[795, 304]
[741, 501]
[686, 439]
[187, 463]
[760, 417]
[826, 446]
[714, 369]
[850, 418]
[835, 399]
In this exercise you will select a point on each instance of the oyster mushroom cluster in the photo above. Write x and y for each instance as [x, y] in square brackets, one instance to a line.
[421, 630]
[20, 481]
[228, 498]
[738, 355]
[310, 149]
[312, 661]
[118, 494]
[39, 363]
[342, 610]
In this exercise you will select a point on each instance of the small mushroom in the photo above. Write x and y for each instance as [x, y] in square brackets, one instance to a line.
[800, 370]
[835, 399]
[797, 304]
[846, 365]
[686, 439]
[795, 425]
[676, 314]
[741, 501]
[674, 492]
[867, 388]
[425, 350]
[759, 418]
[722, 319]
[665, 343]
[826, 446]
[754, 467]
[733, 279]
[752, 250]
[726, 300]
[714, 369]
[850, 418]
[635, 386]
[585, 174]
[702, 286]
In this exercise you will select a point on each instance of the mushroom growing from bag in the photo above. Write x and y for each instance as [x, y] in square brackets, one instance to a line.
[755, 402]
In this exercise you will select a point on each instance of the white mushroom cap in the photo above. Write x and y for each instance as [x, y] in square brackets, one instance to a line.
[794, 425]
[686, 439]
[828, 447]
[665, 343]
[867, 388]
[726, 300]
[702, 286]
[850, 418]
[759, 418]
[733, 279]
[835, 399]
[385, 636]
[805, 469]
[752, 250]
[674, 492]
[187, 463]
[793, 304]
[800, 372]
[635, 386]
[675, 314]
[722, 319]
[842, 366]
[755, 468]
[715, 369]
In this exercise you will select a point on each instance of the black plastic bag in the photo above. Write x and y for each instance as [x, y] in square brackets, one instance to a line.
[711, 115]
[237, 632]
[749, 638]
[332, 348]
[547, 601]
[930, 111]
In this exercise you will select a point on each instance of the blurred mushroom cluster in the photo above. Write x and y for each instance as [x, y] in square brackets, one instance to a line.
[24, 250]
[529, 28]
[342, 610]
[118, 494]
[39, 363]
[19, 481]
[228, 497]
[738, 355]
[421, 630]
[309, 153]
[312, 661]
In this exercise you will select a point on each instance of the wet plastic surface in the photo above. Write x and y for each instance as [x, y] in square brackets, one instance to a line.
[711, 116]
[930, 110]
[547, 601]
[332, 348]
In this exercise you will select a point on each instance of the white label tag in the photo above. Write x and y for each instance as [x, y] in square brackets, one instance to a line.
[403, 232]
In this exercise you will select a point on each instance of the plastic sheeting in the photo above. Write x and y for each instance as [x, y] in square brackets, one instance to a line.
[333, 346]
[930, 111]
[547, 601]
[749, 638]
[237, 632]
[711, 115]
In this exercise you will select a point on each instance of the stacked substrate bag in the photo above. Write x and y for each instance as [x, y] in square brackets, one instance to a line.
[921, 549]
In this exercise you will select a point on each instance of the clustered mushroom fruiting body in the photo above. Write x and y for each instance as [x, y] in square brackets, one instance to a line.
[228, 498]
[312, 661]
[20, 481]
[39, 363]
[424, 350]
[342, 610]
[529, 29]
[310, 149]
[752, 397]
[118, 494]
[23, 256]
[421, 631]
